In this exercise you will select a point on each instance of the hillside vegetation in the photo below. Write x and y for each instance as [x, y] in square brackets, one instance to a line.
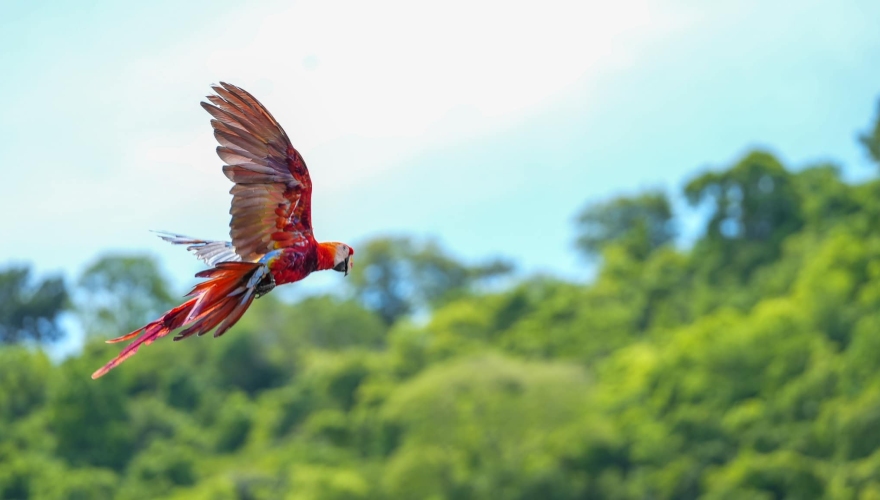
[745, 366]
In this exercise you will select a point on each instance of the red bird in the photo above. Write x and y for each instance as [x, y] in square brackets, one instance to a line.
[271, 227]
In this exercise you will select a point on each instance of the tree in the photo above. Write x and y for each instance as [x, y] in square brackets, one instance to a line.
[755, 207]
[29, 309]
[90, 422]
[494, 427]
[871, 139]
[825, 197]
[397, 276]
[329, 322]
[641, 224]
[120, 293]
[23, 381]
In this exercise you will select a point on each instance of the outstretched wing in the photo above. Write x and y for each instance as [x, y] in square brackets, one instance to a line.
[208, 251]
[272, 196]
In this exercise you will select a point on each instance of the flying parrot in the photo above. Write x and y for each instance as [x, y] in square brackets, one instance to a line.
[271, 227]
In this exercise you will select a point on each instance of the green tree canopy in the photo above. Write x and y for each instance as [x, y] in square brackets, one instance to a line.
[119, 293]
[871, 138]
[755, 206]
[29, 308]
[640, 224]
[395, 276]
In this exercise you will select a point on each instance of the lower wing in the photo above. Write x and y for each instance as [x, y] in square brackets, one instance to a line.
[209, 252]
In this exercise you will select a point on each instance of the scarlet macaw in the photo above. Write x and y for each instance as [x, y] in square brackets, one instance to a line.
[271, 227]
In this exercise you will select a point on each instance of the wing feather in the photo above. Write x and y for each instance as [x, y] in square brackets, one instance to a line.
[208, 251]
[271, 198]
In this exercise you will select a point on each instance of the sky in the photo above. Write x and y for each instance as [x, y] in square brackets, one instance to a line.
[486, 125]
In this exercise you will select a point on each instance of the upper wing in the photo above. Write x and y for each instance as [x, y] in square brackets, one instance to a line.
[272, 196]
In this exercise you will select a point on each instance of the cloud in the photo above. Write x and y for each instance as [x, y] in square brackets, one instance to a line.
[397, 68]
[359, 87]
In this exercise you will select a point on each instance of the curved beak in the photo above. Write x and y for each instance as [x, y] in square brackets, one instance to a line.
[347, 265]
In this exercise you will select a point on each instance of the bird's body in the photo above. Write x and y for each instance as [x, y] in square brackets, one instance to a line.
[271, 228]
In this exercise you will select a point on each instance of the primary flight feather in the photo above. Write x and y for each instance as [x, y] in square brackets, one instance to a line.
[271, 226]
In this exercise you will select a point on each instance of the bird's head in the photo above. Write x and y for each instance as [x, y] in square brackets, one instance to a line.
[336, 256]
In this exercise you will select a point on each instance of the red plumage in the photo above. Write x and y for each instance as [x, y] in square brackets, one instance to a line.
[271, 231]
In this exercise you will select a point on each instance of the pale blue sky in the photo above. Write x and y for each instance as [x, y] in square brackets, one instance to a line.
[485, 124]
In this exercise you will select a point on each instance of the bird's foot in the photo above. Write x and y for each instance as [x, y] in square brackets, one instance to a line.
[265, 285]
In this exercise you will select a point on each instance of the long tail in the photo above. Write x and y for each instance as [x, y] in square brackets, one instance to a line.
[219, 300]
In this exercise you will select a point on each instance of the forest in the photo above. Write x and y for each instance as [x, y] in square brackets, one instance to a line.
[743, 365]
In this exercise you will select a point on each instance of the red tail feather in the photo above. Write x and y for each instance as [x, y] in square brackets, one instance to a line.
[222, 298]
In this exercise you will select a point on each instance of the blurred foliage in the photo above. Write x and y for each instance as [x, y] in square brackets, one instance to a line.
[871, 139]
[122, 293]
[639, 224]
[744, 367]
[396, 276]
[29, 309]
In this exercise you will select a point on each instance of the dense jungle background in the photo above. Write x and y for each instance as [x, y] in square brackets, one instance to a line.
[745, 364]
